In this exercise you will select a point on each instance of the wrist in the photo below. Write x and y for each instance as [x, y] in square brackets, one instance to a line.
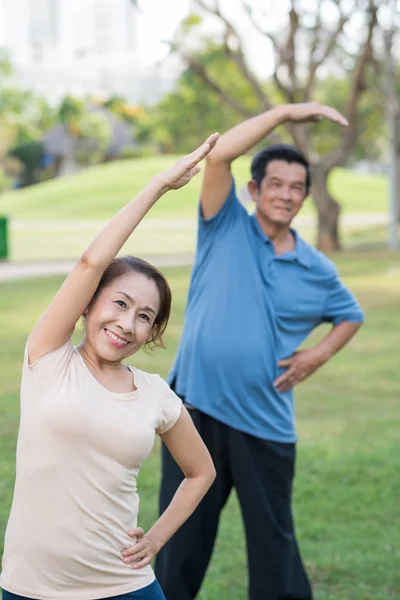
[323, 354]
[283, 113]
[158, 182]
[158, 544]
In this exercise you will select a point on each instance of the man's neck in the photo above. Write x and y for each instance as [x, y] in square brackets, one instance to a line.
[280, 235]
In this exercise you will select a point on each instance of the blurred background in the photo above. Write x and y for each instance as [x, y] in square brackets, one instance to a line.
[96, 96]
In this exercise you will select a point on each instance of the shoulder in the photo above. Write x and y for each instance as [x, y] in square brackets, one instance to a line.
[151, 381]
[232, 205]
[316, 260]
[145, 378]
[53, 364]
[323, 264]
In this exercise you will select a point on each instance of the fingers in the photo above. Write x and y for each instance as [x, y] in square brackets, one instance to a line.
[142, 563]
[333, 115]
[141, 553]
[285, 363]
[138, 532]
[286, 381]
[202, 151]
[137, 553]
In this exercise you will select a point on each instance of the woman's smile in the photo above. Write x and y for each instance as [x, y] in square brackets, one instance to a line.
[115, 339]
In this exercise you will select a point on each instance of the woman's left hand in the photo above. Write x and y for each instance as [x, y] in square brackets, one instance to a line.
[140, 554]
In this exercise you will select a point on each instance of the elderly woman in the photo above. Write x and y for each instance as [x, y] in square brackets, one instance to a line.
[88, 421]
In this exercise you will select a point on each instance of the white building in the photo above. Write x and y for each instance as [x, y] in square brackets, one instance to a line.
[79, 47]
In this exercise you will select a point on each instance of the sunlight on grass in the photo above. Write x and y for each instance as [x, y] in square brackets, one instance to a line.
[98, 192]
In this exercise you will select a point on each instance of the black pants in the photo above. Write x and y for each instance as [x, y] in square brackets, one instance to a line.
[262, 473]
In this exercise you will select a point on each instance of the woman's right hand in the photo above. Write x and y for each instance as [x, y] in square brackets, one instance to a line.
[187, 167]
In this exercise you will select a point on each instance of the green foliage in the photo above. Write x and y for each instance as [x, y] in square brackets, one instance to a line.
[24, 118]
[6, 69]
[70, 110]
[335, 92]
[191, 21]
[93, 139]
[5, 180]
[183, 117]
[29, 153]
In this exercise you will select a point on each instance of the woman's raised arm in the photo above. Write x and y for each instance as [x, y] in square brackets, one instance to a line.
[57, 323]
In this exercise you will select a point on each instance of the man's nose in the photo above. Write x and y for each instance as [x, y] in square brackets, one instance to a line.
[285, 193]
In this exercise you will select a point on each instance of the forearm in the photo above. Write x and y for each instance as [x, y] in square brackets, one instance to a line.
[241, 138]
[110, 240]
[186, 499]
[336, 339]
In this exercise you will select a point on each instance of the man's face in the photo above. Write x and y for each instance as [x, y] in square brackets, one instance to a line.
[282, 192]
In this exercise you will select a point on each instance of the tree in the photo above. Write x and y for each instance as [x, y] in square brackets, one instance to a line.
[309, 43]
[183, 115]
[391, 92]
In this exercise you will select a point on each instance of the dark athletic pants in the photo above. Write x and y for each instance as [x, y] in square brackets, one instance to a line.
[150, 592]
[262, 473]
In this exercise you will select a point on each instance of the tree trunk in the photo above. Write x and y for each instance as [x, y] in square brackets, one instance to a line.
[398, 188]
[397, 150]
[328, 211]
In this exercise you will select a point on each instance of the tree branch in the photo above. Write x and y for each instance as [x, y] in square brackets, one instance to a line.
[250, 13]
[199, 69]
[290, 52]
[238, 56]
[349, 139]
[330, 46]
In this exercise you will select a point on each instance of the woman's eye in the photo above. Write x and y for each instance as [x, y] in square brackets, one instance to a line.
[121, 303]
[145, 317]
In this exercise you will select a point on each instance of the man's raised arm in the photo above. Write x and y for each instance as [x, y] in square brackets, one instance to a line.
[240, 139]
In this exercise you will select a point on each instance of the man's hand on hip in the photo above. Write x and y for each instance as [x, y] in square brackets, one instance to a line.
[299, 366]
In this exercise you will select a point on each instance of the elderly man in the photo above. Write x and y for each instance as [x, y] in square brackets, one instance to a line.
[257, 291]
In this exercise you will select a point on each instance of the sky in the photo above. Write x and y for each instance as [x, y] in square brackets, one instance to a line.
[157, 21]
[160, 18]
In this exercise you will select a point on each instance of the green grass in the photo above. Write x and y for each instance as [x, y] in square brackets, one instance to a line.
[98, 192]
[31, 244]
[347, 489]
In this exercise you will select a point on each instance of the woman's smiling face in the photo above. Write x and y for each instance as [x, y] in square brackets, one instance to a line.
[121, 319]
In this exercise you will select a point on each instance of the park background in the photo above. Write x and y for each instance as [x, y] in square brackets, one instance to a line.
[88, 115]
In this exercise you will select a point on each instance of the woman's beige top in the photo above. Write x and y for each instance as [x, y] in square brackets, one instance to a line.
[80, 448]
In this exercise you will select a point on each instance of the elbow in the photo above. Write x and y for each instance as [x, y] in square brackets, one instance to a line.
[216, 158]
[204, 478]
[88, 261]
[210, 476]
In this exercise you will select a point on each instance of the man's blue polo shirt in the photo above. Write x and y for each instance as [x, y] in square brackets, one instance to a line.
[247, 309]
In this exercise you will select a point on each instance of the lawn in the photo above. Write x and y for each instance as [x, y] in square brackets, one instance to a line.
[347, 489]
[98, 192]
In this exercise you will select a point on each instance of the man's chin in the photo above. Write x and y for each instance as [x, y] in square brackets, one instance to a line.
[282, 221]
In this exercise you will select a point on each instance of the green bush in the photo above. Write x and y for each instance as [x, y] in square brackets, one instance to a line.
[93, 138]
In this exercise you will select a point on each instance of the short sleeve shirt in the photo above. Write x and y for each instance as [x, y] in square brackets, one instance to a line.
[247, 309]
[80, 448]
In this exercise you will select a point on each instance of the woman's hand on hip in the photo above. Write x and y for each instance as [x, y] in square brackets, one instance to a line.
[140, 554]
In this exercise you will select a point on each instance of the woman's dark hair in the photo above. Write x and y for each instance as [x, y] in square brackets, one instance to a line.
[125, 264]
[284, 152]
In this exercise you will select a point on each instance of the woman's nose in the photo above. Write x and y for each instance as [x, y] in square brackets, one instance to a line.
[127, 323]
